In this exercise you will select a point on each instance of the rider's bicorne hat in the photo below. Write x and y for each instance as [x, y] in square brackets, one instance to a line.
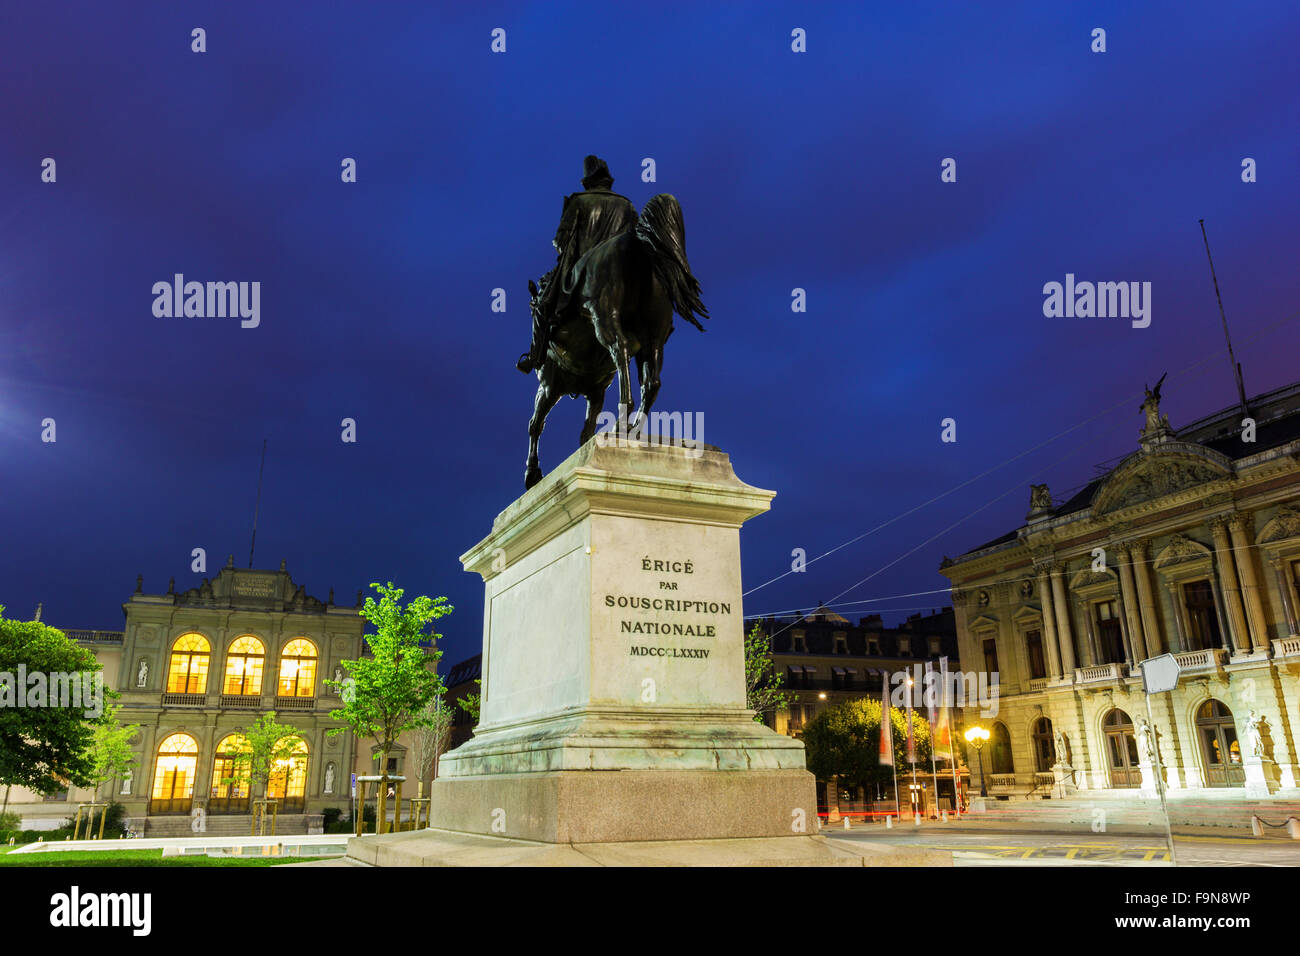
[595, 172]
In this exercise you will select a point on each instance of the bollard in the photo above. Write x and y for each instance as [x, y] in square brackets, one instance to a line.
[916, 818]
[889, 822]
[945, 816]
[846, 824]
[1256, 828]
[1292, 828]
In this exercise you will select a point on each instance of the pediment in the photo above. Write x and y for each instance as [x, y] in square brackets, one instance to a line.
[1169, 469]
[1088, 578]
[1179, 551]
[1285, 524]
[1027, 615]
[982, 623]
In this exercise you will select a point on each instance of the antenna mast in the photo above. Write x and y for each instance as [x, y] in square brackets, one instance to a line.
[257, 507]
[1236, 366]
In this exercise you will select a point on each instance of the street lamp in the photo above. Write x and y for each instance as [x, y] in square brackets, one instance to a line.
[977, 737]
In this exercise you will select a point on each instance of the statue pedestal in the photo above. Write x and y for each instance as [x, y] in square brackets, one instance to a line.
[1148, 771]
[613, 695]
[1261, 776]
[1063, 785]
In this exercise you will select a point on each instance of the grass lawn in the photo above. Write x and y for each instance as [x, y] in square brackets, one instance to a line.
[136, 858]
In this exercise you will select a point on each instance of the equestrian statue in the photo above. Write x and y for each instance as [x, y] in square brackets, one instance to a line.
[610, 299]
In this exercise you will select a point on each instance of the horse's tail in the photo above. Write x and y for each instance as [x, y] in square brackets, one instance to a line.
[663, 236]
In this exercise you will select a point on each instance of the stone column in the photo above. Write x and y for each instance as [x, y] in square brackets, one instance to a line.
[1049, 626]
[1176, 600]
[1137, 554]
[1063, 631]
[1231, 592]
[1090, 651]
[1244, 555]
[1132, 614]
[1284, 589]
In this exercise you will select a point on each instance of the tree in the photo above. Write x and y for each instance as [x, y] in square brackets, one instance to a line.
[472, 703]
[110, 748]
[258, 750]
[431, 738]
[763, 691]
[844, 741]
[390, 690]
[44, 748]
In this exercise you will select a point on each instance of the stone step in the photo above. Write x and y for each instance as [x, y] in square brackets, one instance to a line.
[220, 825]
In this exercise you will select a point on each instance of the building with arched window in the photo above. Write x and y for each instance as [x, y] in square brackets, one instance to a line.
[195, 669]
[1189, 546]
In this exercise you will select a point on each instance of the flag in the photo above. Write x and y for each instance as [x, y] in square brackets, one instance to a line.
[886, 726]
[944, 734]
[911, 738]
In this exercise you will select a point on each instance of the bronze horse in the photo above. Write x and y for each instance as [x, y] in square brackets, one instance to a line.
[624, 292]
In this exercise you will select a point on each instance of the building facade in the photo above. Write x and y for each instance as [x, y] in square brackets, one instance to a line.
[194, 669]
[1189, 546]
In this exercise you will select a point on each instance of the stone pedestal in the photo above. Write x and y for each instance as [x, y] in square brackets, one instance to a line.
[1063, 784]
[613, 695]
[1148, 785]
[1261, 776]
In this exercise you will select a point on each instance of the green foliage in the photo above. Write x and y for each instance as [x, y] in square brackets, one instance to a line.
[110, 748]
[44, 748]
[264, 744]
[763, 692]
[844, 741]
[389, 691]
[472, 704]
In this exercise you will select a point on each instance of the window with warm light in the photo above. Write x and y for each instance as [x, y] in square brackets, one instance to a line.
[288, 779]
[173, 779]
[230, 776]
[298, 669]
[188, 670]
[244, 667]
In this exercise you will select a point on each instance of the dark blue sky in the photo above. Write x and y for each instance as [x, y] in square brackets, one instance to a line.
[816, 170]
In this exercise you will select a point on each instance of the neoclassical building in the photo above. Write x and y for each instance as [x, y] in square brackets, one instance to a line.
[1189, 546]
[197, 667]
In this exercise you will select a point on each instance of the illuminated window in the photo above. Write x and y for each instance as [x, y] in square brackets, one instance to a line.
[188, 672]
[288, 780]
[298, 669]
[230, 776]
[244, 667]
[173, 778]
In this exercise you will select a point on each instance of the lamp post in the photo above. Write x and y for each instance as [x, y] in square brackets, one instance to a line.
[977, 737]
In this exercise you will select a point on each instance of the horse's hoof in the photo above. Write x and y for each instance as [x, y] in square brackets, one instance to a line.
[532, 476]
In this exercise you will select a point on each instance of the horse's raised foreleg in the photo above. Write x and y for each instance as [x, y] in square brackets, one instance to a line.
[547, 396]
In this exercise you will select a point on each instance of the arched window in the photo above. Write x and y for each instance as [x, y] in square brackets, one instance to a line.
[173, 777]
[298, 669]
[288, 780]
[244, 667]
[230, 776]
[1219, 746]
[1044, 745]
[1000, 750]
[188, 671]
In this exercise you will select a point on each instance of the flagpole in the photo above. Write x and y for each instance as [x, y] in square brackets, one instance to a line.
[929, 709]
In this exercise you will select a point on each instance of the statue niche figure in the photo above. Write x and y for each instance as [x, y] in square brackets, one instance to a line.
[609, 300]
